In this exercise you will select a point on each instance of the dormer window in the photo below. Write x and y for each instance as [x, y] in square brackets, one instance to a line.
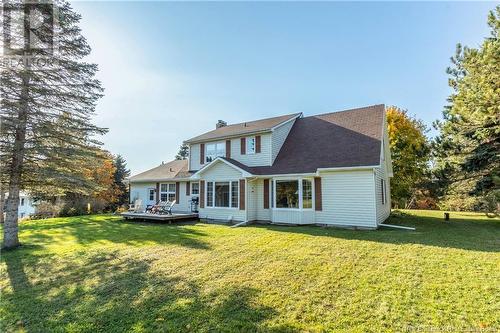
[214, 150]
[250, 146]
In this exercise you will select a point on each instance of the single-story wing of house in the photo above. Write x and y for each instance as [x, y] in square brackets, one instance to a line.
[327, 169]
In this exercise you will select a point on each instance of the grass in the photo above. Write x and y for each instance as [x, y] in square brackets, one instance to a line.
[101, 273]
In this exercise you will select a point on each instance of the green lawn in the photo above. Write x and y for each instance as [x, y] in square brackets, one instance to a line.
[101, 273]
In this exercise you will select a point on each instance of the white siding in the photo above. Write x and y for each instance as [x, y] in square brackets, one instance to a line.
[348, 199]
[141, 191]
[255, 207]
[260, 159]
[293, 216]
[278, 138]
[28, 208]
[221, 172]
[383, 210]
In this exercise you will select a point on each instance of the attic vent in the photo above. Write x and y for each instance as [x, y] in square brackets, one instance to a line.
[220, 123]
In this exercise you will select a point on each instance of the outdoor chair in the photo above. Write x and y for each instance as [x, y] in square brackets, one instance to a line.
[136, 207]
[166, 208]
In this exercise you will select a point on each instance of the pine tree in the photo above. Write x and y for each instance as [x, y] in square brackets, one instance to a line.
[121, 173]
[46, 107]
[183, 153]
[467, 148]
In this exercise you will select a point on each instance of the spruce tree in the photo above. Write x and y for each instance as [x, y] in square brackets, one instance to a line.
[121, 173]
[468, 162]
[49, 96]
[183, 153]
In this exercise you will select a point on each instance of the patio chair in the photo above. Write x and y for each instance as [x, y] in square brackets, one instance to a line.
[136, 207]
[166, 208]
[150, 208]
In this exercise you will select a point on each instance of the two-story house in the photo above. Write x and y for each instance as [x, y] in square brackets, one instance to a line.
[331, 169]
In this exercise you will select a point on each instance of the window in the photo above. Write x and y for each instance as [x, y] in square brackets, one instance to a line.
[382, 191]
[234, 194]
[250, 145]
[210, 194]
[223, 194]
[22, 201]
[167, 192]
[214, 150]
[195, 188]
[151, 194]
[287, 194]
[306, 193]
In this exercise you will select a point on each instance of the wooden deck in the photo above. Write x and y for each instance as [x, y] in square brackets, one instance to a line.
[163, 218]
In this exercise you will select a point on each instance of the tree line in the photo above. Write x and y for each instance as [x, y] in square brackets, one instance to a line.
[459, 169]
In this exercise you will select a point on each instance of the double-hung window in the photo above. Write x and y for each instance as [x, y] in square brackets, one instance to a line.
[250, 145]
[293, 194]
[167, 192]
[195, 188]
[151, 194]
[223, 194]
[214, 150]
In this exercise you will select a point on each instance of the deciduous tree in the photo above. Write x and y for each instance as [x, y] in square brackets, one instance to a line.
[410, 154]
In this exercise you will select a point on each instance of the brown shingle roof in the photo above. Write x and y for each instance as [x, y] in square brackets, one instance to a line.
[171, 170]
[261, 125]
[348, 138]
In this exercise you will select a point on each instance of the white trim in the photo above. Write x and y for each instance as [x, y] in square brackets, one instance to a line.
[300, 190]
[197, 174]
[230, 194]
[368, 167]
[299, 115]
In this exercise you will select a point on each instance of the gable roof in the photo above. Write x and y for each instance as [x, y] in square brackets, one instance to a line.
[343, 139]
[249, 127]
[167, 171]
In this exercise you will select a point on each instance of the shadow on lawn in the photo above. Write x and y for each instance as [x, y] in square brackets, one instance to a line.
[87, 230]
[118, 292]
[467, 234]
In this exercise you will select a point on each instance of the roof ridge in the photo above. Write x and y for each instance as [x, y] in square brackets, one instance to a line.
[252, 121]
[347, 110]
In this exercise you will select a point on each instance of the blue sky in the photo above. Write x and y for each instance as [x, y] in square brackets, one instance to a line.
[171, 70]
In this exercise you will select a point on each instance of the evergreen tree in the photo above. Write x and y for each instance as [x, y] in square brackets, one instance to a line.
[183, 153]
[121, 173]
[46, 107]
[468, 162]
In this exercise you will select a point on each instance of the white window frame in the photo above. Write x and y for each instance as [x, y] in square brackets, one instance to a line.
[197, 189]
[299, 179]
[247, 145]
[169, 191]
[151, 191]
[230, 194]
[383, 191]
[218, 151]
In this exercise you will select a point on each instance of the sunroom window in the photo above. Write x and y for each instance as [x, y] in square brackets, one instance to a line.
[293, 194]
[287, 194]
[222, 194]
[214, 150]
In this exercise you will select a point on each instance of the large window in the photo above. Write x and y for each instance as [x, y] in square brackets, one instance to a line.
[223, 194]
[195, 188]
[214, 150]
[167, 192]
[306, 193]
[287, 194]
[293, 194]
[250, 145]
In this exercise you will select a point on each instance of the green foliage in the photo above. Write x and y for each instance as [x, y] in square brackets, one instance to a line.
[103, 274]
[121, 173]
[410, 151]
[468, 162]
[183, 153]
